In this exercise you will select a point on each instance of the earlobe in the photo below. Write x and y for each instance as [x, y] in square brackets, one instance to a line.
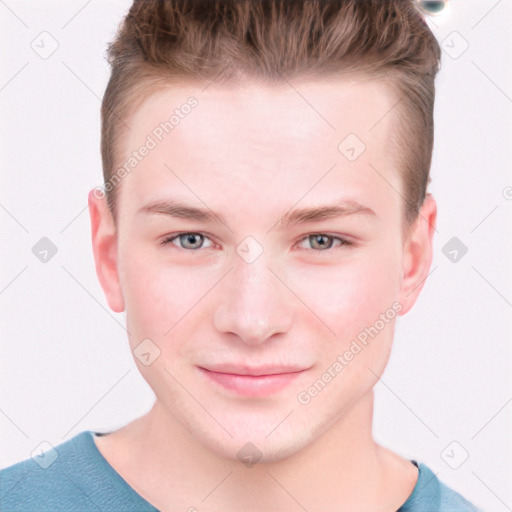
[418, 253]
[104, 246]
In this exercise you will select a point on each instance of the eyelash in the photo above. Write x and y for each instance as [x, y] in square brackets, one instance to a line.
[344, 242]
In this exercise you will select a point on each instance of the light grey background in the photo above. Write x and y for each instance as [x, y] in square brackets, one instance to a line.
[65, 364]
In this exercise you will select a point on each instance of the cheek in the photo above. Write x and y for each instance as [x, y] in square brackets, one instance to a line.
[352, 295]
[159, 295]
[359, 303]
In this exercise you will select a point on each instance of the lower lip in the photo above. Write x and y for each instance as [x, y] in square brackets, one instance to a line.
[250, 385]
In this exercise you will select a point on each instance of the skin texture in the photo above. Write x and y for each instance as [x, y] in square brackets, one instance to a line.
[253, 153]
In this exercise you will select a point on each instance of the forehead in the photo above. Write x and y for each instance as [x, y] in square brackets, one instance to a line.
[314, 109]
[260, 137]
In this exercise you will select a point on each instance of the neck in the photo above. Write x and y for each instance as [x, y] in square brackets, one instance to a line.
[343, 469]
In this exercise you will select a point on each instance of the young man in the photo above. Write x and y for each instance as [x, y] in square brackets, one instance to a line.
[265, 221]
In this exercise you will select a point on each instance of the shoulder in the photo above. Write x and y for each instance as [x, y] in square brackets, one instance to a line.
[431, 494]
[49, 480]
[71, 477]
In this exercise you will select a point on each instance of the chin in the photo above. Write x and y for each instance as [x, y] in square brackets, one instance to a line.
[261, 443]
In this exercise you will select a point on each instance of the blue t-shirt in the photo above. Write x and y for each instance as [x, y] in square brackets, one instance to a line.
[75, 477]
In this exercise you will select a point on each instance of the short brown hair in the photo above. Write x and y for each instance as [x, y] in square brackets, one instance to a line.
[164, 41]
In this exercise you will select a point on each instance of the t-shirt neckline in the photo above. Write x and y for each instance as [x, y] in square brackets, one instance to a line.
[126, 488]
[121, 484]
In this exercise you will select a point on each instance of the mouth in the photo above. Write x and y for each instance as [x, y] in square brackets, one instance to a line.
[255, 382]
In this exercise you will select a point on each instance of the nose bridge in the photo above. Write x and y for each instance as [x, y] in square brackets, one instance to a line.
[254, 304]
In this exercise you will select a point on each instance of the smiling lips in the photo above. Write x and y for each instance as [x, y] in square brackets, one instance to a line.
[253, 382]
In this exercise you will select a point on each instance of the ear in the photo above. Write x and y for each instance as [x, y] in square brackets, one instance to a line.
[417, 255]
[104, 246]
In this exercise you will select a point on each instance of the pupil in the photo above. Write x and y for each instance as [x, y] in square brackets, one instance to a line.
[190, 238]
[318, 240]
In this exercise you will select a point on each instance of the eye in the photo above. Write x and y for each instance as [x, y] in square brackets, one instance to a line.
[320, 242]
[323, 242]
[189, 240]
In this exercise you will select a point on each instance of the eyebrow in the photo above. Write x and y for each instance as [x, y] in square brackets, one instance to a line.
[183, 210]
[340, 208]
[296, 216]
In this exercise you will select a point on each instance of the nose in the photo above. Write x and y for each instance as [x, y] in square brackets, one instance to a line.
[253, 303]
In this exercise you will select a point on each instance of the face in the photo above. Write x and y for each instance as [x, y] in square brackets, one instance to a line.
[260, 258]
